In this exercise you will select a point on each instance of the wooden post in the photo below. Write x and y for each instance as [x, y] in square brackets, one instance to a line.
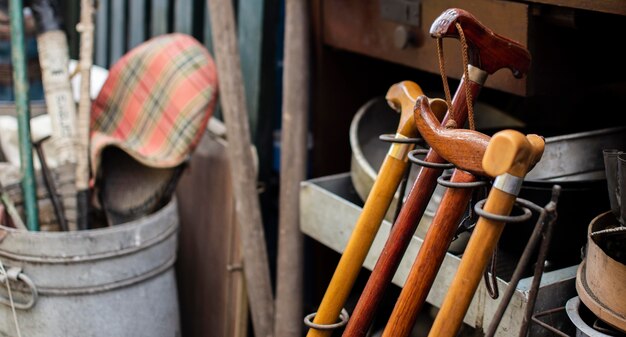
[86, 29]
[293, 155]
[233, 102]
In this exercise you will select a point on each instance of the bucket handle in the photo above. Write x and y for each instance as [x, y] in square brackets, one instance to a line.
[15, 274]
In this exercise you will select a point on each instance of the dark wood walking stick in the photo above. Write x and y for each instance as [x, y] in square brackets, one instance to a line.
[465, 149]
[481, 61]
[401, 97]
[509, 156]
[233, 102]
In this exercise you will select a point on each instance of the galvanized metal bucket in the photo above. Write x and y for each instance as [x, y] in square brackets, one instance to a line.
[116, 281]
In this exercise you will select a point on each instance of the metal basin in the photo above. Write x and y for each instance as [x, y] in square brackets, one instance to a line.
[368, 152]
[575, 162]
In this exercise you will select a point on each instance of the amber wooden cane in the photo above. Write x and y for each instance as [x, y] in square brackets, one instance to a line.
[509, 156]
[488, 52]
[401, 97]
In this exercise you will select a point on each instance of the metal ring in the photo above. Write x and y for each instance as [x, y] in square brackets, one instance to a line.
[424, 163]
[20, 276]
[391, 138]
[444, 180]
[478, 208]
[343, 316]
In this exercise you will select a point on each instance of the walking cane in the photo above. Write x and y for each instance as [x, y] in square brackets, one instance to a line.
[509, 157]
[465, 149]
[401, 97]
[487, 52]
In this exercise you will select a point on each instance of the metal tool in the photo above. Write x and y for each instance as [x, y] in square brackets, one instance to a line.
[543, 233]
[509, 156]
[612, 180]
[48, 180]
[621, 178]
[481, 43]
[20, 80]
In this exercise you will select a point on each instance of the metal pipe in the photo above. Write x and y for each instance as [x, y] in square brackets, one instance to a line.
[546, 217]
[20, 85]
[48, 180]
[543, 253]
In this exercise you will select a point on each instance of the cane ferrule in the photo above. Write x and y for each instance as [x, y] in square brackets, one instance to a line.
[508, 183]
[400, 150]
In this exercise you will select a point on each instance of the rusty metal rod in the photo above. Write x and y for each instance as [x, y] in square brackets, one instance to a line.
[546, 218]
[543, 253]
[48, 180]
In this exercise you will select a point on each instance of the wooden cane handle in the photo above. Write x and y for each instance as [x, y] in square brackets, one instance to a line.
[511, 152]
[401, 97]
[461, 147]
[486, 49]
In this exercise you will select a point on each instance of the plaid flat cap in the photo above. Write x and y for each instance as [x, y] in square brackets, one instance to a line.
[156, 102]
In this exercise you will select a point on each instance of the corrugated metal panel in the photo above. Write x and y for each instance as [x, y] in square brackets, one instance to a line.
[137, 30]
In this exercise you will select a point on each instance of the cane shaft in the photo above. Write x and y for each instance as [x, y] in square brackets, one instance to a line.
[406, 224]
[400, 96]
[429, 257]
[475, 259]
[365, 230]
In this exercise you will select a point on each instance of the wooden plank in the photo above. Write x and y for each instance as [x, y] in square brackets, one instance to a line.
[206, 29]
[137, 30]
[293, 159]
[210, 282]
[102, 33]
[158, 17]
[118, 30]
[183, 16]
[233, 102]
[250, 34]
[365, 32]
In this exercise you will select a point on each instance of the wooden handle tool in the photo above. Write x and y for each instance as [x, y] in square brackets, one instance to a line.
[481, 64]
[401, 97]
[509, 156]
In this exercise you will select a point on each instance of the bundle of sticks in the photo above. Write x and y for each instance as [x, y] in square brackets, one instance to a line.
[70, 128]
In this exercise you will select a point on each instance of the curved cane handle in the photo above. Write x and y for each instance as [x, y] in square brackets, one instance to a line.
[461, 147]
[511, 152]
[486, 49]
[401, 97]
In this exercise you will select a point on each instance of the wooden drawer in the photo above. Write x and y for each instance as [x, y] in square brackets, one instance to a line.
[358, 26]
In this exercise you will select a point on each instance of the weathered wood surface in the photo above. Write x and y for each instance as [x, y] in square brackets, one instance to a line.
[293, 168]
[210, 281]
[234, 108]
